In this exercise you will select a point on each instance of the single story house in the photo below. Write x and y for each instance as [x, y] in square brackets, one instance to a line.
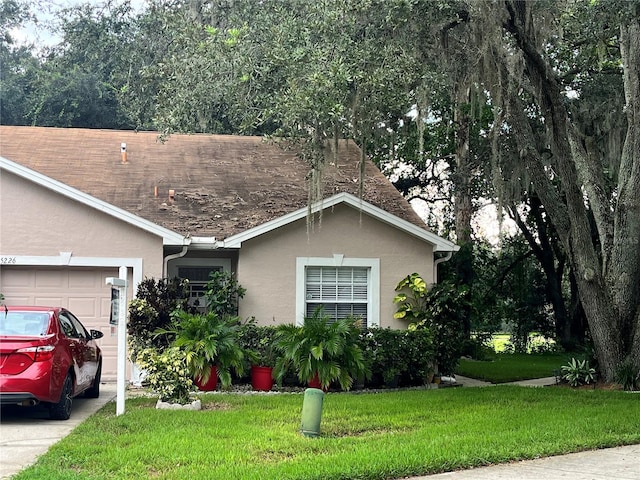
[77, 204]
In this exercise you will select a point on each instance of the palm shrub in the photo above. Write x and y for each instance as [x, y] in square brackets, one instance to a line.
[322, 347]
[207, 340]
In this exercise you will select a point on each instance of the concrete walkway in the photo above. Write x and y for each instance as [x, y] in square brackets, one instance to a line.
[536, 382]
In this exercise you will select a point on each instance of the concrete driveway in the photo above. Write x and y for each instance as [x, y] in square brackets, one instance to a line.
[27, 433]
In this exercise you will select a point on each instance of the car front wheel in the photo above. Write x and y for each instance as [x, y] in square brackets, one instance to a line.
[62, 409]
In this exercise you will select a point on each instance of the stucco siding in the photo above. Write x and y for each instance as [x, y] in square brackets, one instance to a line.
[37, 225]
[267, 264]
[39, 222]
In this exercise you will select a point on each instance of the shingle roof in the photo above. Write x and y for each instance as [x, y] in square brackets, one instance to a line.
[223, 184]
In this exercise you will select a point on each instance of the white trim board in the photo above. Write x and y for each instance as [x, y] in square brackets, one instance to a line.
[66, 259]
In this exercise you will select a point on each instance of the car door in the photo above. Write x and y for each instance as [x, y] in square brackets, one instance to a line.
[89, 351]
[76, 349]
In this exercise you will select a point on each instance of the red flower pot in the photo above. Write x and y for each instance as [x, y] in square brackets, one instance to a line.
[211, 384]
[261, 378]
[315, 383]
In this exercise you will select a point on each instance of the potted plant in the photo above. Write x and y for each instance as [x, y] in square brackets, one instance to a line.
[321, 349]
[261, 356]
[210, 345]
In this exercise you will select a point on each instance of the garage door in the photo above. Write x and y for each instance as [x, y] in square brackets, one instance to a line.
[80, 289]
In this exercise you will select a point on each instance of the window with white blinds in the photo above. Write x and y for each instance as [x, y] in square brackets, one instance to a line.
[342, 291]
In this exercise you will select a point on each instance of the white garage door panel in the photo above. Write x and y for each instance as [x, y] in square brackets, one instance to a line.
[81, 290]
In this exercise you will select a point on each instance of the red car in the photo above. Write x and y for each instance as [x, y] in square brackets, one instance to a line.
[47, 356]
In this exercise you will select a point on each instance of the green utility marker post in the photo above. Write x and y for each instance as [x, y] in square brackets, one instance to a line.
[312, 412]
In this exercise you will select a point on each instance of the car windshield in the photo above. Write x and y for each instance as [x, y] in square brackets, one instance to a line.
[23, 323]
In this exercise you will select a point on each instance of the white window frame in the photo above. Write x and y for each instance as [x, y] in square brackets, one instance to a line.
[339, 260]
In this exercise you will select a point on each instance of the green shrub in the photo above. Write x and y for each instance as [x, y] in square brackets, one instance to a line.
[406, 356]
[222, 293]
[420, 354]
[151, 310]
[257, 341]
[578, 372]
[438, 310]
[167, 373]
[384, 354]
[628, 376]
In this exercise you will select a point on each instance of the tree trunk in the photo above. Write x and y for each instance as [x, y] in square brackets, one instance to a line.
[610, 298]
[463, 209]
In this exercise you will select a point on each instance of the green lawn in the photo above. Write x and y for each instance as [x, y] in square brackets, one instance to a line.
[365, 436]
[511, 367]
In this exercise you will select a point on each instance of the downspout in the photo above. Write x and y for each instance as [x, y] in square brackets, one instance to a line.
[438, 262]
[185, 249]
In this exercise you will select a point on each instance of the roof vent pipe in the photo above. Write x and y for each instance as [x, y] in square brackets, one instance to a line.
[123, 152]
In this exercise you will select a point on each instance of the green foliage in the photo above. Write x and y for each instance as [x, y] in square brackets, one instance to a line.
[385, 354]
[320, 346]
[167, 373]
[437, 310]
[628, 376]
[222, 293]
[403, 356]
[479, 346]
[257, 342]
[578, 372]
[206, 340]
[151, 310]
[412, 301]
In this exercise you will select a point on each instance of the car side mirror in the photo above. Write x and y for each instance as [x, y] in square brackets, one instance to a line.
[96, 334]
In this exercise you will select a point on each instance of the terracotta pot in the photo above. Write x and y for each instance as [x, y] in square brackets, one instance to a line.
[211, 384]
[315, 383]
[261, 378]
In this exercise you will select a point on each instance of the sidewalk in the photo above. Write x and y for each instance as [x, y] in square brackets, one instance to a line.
[536, 382]
[620, 463]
